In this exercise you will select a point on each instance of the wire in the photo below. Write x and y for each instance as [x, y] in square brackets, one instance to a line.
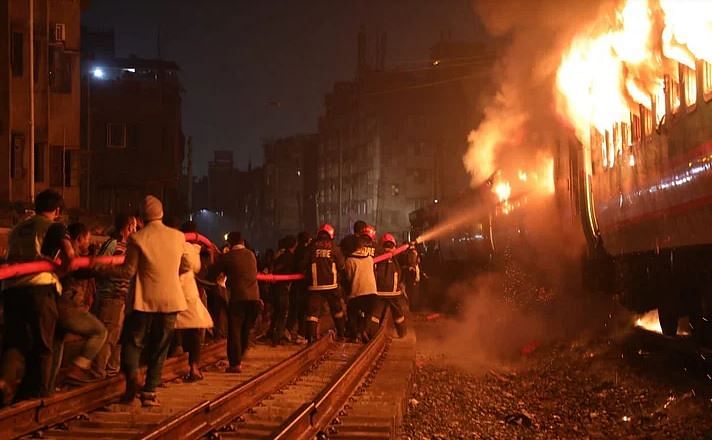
[422, 85]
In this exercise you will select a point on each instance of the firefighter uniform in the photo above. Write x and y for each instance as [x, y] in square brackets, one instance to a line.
[323, 268]
[390, 291]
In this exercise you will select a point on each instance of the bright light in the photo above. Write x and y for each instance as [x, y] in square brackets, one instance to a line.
[299, 173]
[98, 72]
[225, 237]
[129, 69]
[435, 201]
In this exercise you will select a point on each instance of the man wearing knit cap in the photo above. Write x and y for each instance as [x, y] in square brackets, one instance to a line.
[154, 256]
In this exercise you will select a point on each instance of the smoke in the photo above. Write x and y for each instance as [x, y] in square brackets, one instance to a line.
[533, 296]
[522, 118]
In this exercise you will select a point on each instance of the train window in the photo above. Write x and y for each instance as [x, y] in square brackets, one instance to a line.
[617, 144]
[598, 150]
[636, 131]
[625, 136]
[659, 105]
[689, 79]
[673, 82]
[647, 122]
[706, 77]
[610, 148]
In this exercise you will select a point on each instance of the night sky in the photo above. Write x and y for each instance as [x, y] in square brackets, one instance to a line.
[259, 69]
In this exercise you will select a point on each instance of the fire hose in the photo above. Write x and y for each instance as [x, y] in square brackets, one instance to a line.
[31, 267]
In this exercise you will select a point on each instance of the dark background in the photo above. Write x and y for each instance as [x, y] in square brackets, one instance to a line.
[259, 69]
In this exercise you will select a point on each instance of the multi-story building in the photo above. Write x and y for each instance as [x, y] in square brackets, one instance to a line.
[392, 141]
[229, 199]
[289, 204]
[39, 99]
[132, 130]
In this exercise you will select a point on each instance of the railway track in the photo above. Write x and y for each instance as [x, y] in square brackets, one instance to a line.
[36, 414]
[283, 392]
[280, 404]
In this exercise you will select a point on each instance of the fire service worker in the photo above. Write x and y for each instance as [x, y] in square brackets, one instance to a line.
[390, 291]
[362, 283]
[410, 267]
[323, 264]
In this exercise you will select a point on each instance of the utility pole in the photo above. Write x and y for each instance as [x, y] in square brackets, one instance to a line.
[190, 177]
[31, 151]
[88, 152]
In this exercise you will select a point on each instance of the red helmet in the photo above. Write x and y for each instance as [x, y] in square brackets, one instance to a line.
[388, 238]
[370, 232]
[328, 229]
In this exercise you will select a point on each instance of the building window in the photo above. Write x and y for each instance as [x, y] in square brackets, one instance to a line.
[56, 166]
[17, 56]
[689, 78]
[68, 167]
[16, 155]
[60, 70]
[706, 77]
[115, 135]
[39, 163]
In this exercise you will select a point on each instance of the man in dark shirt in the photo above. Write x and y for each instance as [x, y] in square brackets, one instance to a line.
[240, 266]
[30, 306]
[283, 264]
[349, 244]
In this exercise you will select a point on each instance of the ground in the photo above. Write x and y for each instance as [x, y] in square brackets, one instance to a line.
[608, 382]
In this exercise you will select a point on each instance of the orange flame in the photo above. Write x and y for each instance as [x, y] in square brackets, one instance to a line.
[627, 58]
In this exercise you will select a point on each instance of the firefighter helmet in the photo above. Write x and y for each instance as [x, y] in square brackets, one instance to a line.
[388, 238]
[328, 229]
[370, 232]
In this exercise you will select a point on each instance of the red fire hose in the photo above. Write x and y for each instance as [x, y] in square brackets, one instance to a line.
[20, 269]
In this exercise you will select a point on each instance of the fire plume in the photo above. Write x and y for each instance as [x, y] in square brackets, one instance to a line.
[627, 59]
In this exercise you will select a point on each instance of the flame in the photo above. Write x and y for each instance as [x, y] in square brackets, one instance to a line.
[625, 59]
[503, 191]
[649, 321]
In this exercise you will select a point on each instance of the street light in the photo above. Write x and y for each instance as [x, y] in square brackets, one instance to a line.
[98, 73]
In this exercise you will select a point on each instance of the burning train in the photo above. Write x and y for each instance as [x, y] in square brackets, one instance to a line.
[635, 91]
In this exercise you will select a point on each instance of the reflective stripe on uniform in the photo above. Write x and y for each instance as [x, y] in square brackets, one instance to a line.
[375, 320]
[315, 280]
[314, 288]
[312, 319]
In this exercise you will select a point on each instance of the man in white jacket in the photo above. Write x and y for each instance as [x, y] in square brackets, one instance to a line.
[155, 257]
[362, 283]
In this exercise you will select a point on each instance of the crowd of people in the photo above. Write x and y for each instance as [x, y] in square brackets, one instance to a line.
[168, 295]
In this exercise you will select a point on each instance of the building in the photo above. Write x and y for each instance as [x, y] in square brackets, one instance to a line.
[132, 133]
[392, 141]
[290, 186]
[40, 99]
[229, 199]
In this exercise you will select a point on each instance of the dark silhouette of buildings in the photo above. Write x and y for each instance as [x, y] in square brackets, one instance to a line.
[290, 185]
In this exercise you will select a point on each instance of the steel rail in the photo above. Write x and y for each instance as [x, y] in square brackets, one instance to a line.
[33, 415]
[314, 417]
[210, 415]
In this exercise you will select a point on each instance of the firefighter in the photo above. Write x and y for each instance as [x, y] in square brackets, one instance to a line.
[390, 290]
[323, 264]
[410, 267]
[361, 283]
